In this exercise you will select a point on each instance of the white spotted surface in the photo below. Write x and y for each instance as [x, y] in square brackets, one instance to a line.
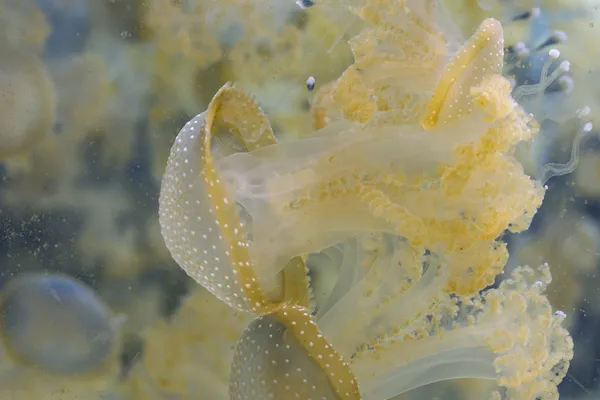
[481, 56]
[270, 363]
[188, 222]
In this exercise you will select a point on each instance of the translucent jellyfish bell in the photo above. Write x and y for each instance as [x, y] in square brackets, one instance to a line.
[264, 347]
[305, 195]
[55, 324]
[284, 356]
[203, 227]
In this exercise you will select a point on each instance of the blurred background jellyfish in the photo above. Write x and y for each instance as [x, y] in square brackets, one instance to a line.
[27, 102]
[54, 328]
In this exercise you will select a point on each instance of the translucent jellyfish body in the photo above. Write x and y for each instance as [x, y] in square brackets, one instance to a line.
[57, 325]
[23, 25]
[27, 103]
[412, 178]
[202, 226]
[414, 161]
[395, 342]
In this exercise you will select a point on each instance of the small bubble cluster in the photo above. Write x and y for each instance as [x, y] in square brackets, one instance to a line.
[380, 173]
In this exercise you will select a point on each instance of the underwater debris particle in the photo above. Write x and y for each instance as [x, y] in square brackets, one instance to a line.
[310, 83]
[305, 3]
[284, 355]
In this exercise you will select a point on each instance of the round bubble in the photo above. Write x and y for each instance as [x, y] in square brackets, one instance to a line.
[55, 323]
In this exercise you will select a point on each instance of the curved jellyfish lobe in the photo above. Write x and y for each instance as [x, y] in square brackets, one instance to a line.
[57, 324]
[201, 223]
[283, 355]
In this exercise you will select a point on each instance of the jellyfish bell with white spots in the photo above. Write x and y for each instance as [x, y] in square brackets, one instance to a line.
[203, 226]
[303, 196]
[261, 356]
[388, 329]
[284, 355]
[297, 197]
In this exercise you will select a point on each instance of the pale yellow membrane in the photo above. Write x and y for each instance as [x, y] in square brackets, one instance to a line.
[200, 223]
[482, 55]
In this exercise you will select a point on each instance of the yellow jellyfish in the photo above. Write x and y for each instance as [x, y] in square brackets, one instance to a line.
[413, 179]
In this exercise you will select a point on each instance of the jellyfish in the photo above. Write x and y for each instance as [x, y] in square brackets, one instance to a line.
[394, 341]
[55, 328]
[203, 229]
[205, 233]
